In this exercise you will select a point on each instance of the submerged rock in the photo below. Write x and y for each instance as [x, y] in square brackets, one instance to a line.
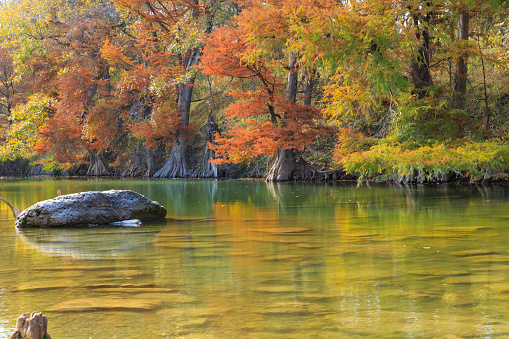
[90, 208]
[472, 253]
[105, 304]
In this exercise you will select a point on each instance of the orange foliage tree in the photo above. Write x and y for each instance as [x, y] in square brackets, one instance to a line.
[83, 126]
[269, 118]
[144, 90]
[171, 29]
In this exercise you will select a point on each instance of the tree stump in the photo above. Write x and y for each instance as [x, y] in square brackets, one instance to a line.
[31, 326]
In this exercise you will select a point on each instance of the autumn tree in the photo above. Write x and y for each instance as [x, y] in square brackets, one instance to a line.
[424, 112]
[26, 121]
[7, 81]
[177, 27]
[59, 53]
[465, 11]
[422, 18]
[270, 121]
[145, 90]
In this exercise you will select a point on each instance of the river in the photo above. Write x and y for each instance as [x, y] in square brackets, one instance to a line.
[249, 259]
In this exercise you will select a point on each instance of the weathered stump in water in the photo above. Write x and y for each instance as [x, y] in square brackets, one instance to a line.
[31, 326]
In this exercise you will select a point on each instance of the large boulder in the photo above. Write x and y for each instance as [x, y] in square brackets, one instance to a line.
[90, 208]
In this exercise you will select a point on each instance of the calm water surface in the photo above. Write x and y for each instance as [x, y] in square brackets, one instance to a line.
[247, 259]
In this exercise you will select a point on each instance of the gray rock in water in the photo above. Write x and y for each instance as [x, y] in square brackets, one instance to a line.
[90, 208]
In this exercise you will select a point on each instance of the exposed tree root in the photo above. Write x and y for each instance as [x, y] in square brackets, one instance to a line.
[176, 165]
[141, 162]
[289, 166]
[208, 169]
[100, 165]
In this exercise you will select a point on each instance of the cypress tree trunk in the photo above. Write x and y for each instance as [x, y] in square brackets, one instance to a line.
[288, 164]
[461, 72]
[176, 165]
[150, 163]
[99, 166]
[308, 91]
[420, 66]
[420, 71]
[209, 169]
[293, 77]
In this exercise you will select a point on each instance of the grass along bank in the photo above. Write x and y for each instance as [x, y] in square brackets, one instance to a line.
[465, 160]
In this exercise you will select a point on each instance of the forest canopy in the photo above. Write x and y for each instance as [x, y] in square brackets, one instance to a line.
[402, 90]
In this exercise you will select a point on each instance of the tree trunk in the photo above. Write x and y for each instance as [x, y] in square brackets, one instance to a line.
[176, 165]
[421, 74]
[150, 163]
[288, 164]
[293, 77]
[419, 69]
[99, 165]
[308, 91]
[487, 110]
[460, 76]
[209, 169]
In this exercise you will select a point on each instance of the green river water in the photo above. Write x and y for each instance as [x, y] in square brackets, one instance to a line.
[248, 259]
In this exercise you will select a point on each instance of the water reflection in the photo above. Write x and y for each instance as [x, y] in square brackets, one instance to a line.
[251, 259]
[88, 242]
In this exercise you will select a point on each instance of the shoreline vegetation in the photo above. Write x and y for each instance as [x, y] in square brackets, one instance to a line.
[399, 91]
[393, 164]
[468, 162]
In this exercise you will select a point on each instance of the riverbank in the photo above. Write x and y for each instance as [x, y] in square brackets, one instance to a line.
[462, 162]
[333, 176]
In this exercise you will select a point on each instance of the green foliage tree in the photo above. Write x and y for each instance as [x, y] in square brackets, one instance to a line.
[26, 119]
